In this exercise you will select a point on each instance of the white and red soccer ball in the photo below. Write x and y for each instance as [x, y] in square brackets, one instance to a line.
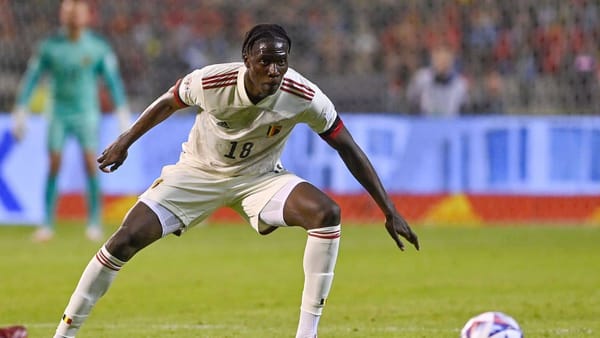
[491, 325]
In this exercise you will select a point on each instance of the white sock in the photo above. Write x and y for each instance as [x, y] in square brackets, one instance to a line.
[95, 281]
[320, 256]
[307, 325]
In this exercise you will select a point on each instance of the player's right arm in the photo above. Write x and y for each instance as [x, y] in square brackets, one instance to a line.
[159, 110]
[36, 66]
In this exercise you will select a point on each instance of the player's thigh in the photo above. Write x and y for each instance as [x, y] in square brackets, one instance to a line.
[86, 129]
[57, 133]
[169, 222]
[261, 202]
[187, 194]
[89, 159]
[310, 208]
[287, 200]
[141, 227]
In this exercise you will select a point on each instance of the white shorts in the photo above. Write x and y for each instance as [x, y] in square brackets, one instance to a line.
[192, 196]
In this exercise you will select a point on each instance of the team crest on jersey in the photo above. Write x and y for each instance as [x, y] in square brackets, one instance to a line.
[273, 130]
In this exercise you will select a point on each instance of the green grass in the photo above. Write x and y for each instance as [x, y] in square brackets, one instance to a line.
[227, 281]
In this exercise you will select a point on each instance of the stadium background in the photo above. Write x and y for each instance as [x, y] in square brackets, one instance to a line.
[538, 59]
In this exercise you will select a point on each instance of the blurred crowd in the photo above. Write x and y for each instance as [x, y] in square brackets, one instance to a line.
[515, 56]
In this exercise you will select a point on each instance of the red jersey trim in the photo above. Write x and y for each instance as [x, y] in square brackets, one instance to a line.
[177, 97]
[335, 129]
[220, 80]
[295, 93]
[298, 84]
[219, 75]
[221, 84]
[297, 89]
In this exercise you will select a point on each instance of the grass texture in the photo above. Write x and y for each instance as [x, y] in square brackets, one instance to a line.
[224, 280]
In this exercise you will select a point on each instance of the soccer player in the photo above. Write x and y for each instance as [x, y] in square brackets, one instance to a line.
[246, 112]
[73, 58]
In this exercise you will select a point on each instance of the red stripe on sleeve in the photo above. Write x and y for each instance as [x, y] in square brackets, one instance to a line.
[176, 94]
[335, 129]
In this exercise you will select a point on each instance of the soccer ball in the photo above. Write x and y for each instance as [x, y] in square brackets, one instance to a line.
[491, 325]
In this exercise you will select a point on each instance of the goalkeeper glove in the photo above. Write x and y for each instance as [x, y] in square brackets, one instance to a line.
[19, 122]
[123, 116]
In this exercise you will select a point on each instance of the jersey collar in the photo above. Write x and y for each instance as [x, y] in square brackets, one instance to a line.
[267, 101]
[62, 31]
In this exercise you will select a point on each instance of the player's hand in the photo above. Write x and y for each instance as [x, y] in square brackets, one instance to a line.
[19, 119]
[112, 157]
[397, 225]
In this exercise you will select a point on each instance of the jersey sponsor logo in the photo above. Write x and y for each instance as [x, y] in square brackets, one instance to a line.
[273, 130]
[221, 80]
[295, 88]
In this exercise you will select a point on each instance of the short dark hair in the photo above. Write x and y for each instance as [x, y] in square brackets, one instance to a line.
[262, 31]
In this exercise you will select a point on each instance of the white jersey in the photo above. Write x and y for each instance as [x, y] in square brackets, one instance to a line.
[232, 136]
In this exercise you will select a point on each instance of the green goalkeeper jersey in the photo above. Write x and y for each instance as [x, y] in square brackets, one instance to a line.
[73, 68]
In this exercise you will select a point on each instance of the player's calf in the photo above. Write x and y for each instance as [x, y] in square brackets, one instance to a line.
[93, 284]
[320, 256]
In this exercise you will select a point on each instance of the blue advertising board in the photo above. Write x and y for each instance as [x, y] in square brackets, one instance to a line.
[557, 155]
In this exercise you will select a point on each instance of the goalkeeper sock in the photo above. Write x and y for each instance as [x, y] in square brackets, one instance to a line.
[93, 201]
[95, 281]
[50, 200]
[320, 256]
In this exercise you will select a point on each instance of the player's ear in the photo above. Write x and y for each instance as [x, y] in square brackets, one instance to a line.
[245, 58]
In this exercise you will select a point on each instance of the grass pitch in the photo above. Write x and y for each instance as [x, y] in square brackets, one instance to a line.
[227, 281]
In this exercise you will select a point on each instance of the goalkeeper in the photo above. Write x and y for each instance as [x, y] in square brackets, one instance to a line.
[73, 59]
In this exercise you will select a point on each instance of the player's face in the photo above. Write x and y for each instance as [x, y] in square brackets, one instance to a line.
[267, 62]
[442, 60]
[74, 14]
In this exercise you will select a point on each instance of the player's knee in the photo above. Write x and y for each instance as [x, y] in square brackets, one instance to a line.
[126, 242]
[328, 215]
[122, 245]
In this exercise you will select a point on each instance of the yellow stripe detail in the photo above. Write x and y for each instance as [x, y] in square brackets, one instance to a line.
[455, 210]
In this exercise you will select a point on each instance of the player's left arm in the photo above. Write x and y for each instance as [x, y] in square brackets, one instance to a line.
[109, 68]
[340, 139]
